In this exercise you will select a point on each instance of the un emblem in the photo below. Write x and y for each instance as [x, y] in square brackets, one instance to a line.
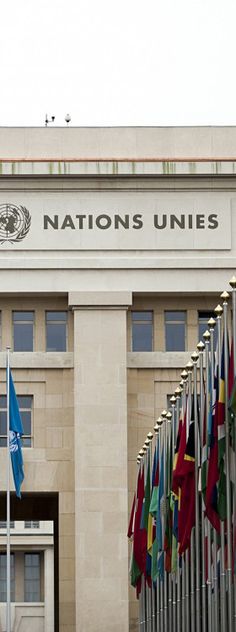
[14, 223]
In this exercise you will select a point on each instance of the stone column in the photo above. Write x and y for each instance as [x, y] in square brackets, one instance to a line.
[49, 590]
[100, 403]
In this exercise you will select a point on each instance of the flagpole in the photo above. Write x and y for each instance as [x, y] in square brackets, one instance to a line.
[170, 595]
[178, 394]
[157, 607]
[225, 297]
[8, 612]
[219, 311]
[195, 357]
[200, 348]
[233, 286]
[212, 324]
[161, 581]
[174, 424]
[163, 414]
[151, 591]
[207, 337]
[190, 563]
[185, 559]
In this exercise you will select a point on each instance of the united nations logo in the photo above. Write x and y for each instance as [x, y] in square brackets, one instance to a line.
[14, 223]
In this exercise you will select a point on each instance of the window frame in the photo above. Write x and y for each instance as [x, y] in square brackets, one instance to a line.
[30, 580]
[142, 322]
[56, 322]
[176, 323]
[22, 322]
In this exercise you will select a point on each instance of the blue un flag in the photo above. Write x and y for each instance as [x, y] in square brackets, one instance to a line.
[16, 430]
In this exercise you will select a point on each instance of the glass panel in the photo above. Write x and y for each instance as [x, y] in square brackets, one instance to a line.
[142, 337]
[3, 577]
[26, 421]
[32, 577]
[3, 401]
[203, 318]
[24, 401]
[3, 442]
[3, 422]
[175, 337]
[23, 337]
[56, 337]
[23, 316]
[142, 316]
[175, 316]
[59, 316]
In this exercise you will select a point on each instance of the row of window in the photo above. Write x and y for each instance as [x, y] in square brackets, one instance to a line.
[32, 580]
[175, 329]
[23, 330]
[29, 524]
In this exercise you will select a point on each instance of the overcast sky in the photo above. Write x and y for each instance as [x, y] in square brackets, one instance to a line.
[129, 62]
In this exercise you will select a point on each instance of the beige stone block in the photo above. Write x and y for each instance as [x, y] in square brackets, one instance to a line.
[54, 401]
[66, 503]
[54, 437]
[114, 477]
[90, 477]
[95, 500]
[65, 475]
[59, 454]
[106, 590]
[103, 545]
[66, 590]
[91, 522]
[90, 566]
[114, 568]
[67, 569]
[93, 413]
[114, 522]
[66, 546]
[67, 613]
[105, 455]
[67, 525]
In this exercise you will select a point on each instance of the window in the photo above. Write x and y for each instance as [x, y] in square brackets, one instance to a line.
[23, 330]
[56, 331]
[203, 318]
[25, 403]
[3, 577]
[31, 524]
[142, 331]
[32, 577]
[3, 524]
[175, 331]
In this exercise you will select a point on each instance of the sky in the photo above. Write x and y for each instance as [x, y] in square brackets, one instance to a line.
[130, 62]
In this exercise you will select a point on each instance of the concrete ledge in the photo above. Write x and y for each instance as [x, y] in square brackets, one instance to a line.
[158, 359]
[38, 360]
[100, 299]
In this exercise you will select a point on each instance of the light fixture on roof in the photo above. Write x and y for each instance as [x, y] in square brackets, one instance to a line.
[67, 119]
[49, 120]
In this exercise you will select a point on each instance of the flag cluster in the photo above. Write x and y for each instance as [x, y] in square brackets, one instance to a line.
[183, 519]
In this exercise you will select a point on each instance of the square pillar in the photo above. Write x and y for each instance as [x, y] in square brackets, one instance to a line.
[100, 403]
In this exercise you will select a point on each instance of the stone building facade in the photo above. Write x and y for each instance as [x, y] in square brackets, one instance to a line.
[116, 242]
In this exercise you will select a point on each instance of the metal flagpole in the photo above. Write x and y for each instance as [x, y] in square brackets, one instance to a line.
[233, 286]
[151, 590]
[201, 348]
[161, 586]
[141, 597]
[185, 558]
[219, 311]
[212, 324]
[173, 406]
[170, 595]
[225, 297]
[178, 394]
[8, 612]
[195, 357]
[145, 596]
[163, 414]
[207, 337]
[157, 606]
[139, 463]
[190, 563]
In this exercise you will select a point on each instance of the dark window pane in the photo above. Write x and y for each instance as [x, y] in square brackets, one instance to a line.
[3, 401]
[59, 316]
[175, 316]
[26, 421]
[203, 326]
[23, 337]
[24, 401]
[26, 442]
[3, 442]
[142, 337]
[56, 337]
[3, 423]
[142, 316]
[175, 337]
[23, 316]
